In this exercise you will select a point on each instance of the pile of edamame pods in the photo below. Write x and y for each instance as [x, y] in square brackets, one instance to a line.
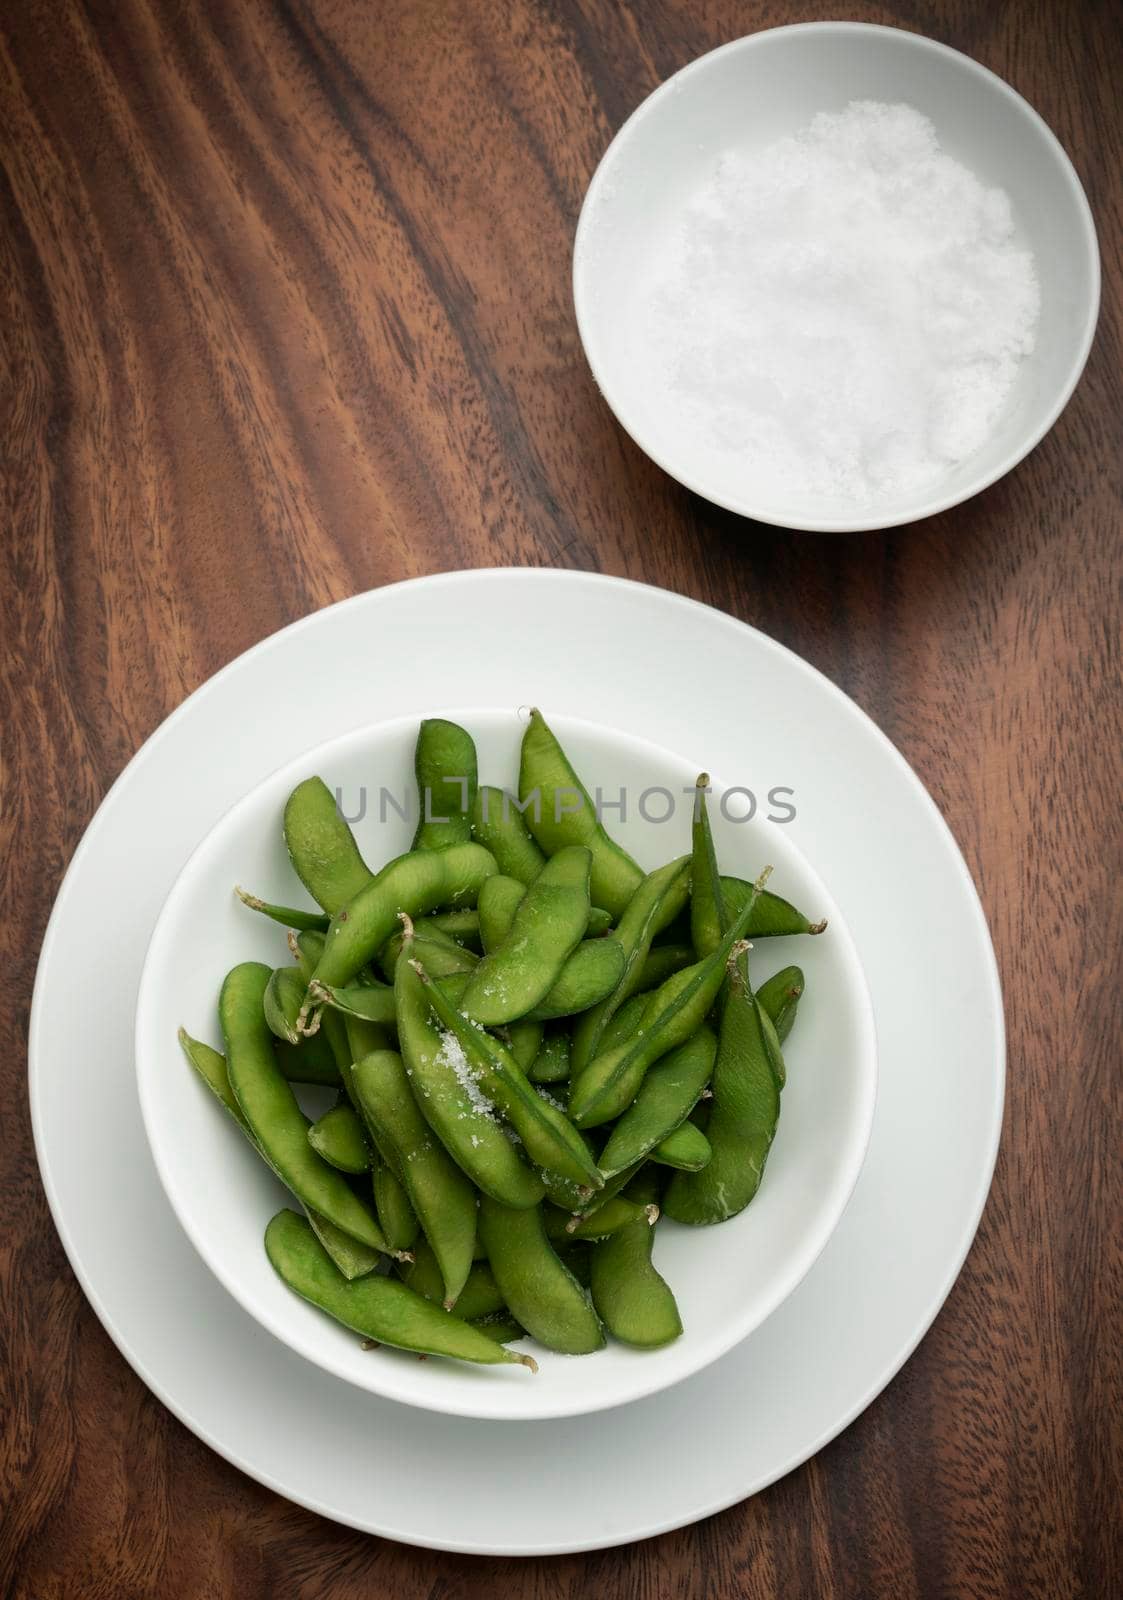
[539, 1050]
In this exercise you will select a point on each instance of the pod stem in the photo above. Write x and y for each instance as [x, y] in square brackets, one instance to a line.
[817, 927]
[254, 901]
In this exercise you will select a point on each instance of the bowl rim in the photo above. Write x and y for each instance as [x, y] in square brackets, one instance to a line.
[937, 503]
[485, 1402]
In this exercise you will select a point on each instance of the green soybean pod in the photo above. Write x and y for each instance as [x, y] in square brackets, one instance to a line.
[322, 847]
[310, 1061]
[443, 955]
[550, 1138]
[308, 948]
[417, 882]
[707, 907]
[501, 1327]
[440, 1194]
[396, 1216]
[284, 996]
[269, 1107]
[548, 926]
[551, 1064]
[462, 925]
[656, 903]
[589, 975]
[667, 1096]
[523, 1039]
[500, 898]
[687, 1148]
[479, 1297]
[445, 764]
[364, 1001]
[615, 1213]
[451, 1100]
[772, 916]
[340, 1138]
[498, 824]
[743, 1113]
[353, 1259]
[538, 1289]
[633, 1301]
[287, 916]
[780, 996]
[611, 1081]
[377, 1307]
[662, 962]
[560, 813]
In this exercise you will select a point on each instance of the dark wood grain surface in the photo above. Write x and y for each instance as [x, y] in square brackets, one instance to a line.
[286, 315]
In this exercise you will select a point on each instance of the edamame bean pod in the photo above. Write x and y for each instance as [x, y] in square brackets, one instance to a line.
[479, 1297]
[308, 948]
[611, 1081]
[417, 882]
[550, 1138]
[538, 1289]
[341, 1139]
[667, 1096]
[310, 1061]
[633, 1301]
[462, 925]
[438, 1191]
[353, 1259]
[523, 1039]
[499, 825]
[445, 764]
[500, 1327]
[661, 962]
[284, 996]
[451, 1100]
[322, 847]
[269, 1107]
[548, 926]
[780, 996]
[655, 904]
[442, 953]
[589, 975]
[378, 1308]
[707, 908]
[560, 813]
[772, 916]
[396, 1217]
[362, 1000]
[743, 1114]
[686, 1149]
[501, 897]
[551, 1064]
[287, 916]
[615, 1213]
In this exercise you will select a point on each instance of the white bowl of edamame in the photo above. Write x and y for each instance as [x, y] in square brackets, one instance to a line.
[458, 1139]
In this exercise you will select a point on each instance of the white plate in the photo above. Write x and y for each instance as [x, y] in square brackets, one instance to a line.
[767, 86]
[727, 1280]
[698, 682]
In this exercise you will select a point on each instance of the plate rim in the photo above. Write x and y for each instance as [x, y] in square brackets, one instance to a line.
[650, 593]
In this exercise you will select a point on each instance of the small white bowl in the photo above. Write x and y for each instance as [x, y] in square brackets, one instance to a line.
[727, 1279]
[756, 90]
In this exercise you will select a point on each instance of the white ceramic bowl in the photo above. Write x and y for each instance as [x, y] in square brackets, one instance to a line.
[758, 89]
[727, 1279]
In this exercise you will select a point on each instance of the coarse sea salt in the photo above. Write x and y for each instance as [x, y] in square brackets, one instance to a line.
[451, 1054]
[843, 313]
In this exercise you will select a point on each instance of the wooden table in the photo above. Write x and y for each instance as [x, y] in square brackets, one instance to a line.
[286, 316]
